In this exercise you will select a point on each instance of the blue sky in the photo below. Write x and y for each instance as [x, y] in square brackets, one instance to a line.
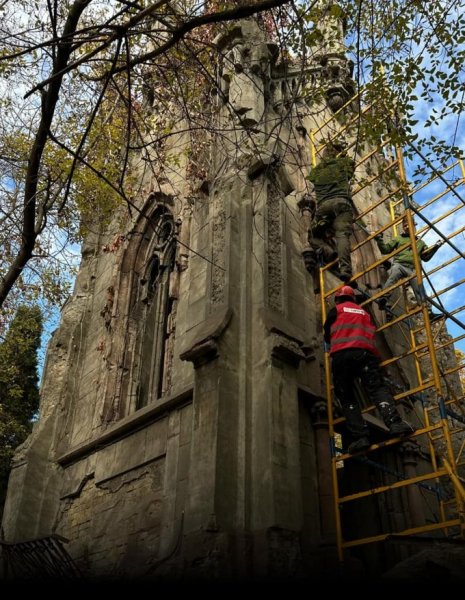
[448, 215]
[452, 130]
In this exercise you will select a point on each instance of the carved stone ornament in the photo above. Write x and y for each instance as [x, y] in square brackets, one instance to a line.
[286, 350]
[287, 343]
[164, 231]
[336, 80]
[319, 413]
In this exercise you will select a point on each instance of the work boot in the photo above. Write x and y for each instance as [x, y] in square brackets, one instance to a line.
[310, 259]
[358, 445]
[352, 284]
[320, 257]
[382, 303]
[345, 276]
[393, 420]
[400, 428]
[387, 308]
[328, 254]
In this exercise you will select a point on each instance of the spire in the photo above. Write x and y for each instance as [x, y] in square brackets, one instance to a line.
[332, 26]
[336, 69]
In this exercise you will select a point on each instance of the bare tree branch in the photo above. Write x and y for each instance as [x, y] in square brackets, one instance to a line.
[240, 12]
[49, 101]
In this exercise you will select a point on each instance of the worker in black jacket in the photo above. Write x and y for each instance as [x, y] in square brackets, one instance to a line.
[350, 332]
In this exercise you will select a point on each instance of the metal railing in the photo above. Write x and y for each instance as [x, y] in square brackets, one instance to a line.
[43, 558]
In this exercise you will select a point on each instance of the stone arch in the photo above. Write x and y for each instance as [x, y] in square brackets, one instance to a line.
[148, 267]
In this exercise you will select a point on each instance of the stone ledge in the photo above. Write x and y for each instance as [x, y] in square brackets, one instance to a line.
[288, 338]
[286, 350]
[125, 426]
[203, 347]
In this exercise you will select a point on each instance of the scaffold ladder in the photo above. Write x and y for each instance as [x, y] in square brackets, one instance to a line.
[441, 432]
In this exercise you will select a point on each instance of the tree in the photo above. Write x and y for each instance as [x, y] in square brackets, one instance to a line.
[77, 77]
[19, 392]
[419, 47]
[51, 150]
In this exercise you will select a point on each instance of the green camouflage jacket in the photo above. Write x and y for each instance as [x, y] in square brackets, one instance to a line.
[331, 178]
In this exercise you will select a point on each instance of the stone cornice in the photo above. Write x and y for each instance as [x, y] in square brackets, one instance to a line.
[203, 347]
[288, 344]
[125, 427]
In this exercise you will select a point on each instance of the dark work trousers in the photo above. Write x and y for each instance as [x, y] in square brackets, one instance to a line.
[339, 215]
[397, 272]
[347, 365]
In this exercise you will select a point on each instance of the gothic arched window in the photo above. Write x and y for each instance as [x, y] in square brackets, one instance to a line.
[155, 309]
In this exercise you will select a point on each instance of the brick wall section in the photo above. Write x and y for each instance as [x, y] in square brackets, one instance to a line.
[114, 527]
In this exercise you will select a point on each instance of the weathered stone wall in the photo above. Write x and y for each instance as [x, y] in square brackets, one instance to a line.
[225, 472]
[121, 505]
[114, 523]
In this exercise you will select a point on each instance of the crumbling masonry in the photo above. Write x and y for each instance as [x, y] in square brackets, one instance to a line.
[182, 429]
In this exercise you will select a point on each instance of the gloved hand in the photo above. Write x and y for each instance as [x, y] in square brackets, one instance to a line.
[431, 251]
[326, 346]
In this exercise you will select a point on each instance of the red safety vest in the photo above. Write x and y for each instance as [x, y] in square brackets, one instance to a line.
[353, 328]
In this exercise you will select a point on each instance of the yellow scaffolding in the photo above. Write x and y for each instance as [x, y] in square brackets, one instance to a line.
[441, 432]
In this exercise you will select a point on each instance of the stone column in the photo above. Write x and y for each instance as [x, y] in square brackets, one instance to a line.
[319, 416]
[410, 452]
[306, 206]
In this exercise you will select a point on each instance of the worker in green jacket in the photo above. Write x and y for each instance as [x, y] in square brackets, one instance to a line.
[403, 263]
[334, 208]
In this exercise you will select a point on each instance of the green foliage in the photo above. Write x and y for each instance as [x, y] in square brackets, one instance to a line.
[415, 50]
[19, 392]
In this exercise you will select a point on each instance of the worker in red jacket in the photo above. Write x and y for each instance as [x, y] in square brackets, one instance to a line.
[350, 332]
